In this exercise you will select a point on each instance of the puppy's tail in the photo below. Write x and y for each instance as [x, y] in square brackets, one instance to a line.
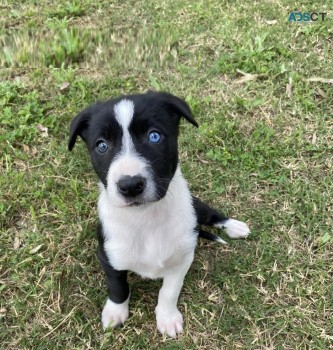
[210, 237]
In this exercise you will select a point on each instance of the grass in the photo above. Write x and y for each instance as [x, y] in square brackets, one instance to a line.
[263, 154]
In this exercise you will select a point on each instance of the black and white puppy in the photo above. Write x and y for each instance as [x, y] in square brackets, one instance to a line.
[148, 217]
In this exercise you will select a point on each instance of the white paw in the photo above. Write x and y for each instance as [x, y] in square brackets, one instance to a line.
[235, 228]
[114, 314]
[169, 322]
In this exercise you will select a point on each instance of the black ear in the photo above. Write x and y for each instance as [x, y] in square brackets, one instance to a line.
[176, 105]
[79, 126]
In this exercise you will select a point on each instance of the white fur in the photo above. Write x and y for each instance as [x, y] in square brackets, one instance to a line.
[114, 314]
[169, 321]
[132, 165]
[150, 238]
[220, 240]
[124, 111]
[155, 240]
[168, 317]
[128, 161]
[235, 229]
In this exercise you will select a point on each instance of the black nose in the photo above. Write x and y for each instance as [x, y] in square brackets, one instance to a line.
[131, 186]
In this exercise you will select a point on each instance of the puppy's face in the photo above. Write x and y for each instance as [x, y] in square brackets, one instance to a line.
[132, 142]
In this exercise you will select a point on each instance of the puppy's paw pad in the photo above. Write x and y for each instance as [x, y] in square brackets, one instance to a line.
[235, 228]
[169, 322]
[114, 314]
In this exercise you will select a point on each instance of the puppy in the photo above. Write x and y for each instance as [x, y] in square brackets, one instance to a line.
[148, 219]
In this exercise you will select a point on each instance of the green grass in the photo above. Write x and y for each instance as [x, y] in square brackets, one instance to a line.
[263, 154]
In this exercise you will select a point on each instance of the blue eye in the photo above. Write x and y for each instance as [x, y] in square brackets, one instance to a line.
[154, 137]
[102, 147]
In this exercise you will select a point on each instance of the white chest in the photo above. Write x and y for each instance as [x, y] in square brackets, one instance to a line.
[150, 239]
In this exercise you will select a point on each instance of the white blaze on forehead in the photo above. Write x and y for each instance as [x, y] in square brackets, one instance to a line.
[128, 161]
[124, 111]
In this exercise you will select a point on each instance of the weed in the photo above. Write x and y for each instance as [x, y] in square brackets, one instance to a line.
[262, 153]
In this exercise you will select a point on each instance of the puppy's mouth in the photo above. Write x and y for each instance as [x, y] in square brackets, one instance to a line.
[135, 204]
[138, 202]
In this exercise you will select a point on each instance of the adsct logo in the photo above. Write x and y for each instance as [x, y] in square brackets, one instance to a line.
[306, 16]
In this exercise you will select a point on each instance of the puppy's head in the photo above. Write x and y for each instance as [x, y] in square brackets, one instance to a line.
[132, 141]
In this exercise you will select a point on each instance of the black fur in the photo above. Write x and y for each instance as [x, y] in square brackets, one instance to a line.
[153, 110]
[116, 281]
[207, 215]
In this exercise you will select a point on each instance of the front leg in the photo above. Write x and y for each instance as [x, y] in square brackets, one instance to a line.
[168, 317]
[211, 217]
[116, 309]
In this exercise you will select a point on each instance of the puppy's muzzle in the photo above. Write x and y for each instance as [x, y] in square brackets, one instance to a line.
[131, 186]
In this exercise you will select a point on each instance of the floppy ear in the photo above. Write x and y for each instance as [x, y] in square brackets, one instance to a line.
[176, 105]
[79, 126]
